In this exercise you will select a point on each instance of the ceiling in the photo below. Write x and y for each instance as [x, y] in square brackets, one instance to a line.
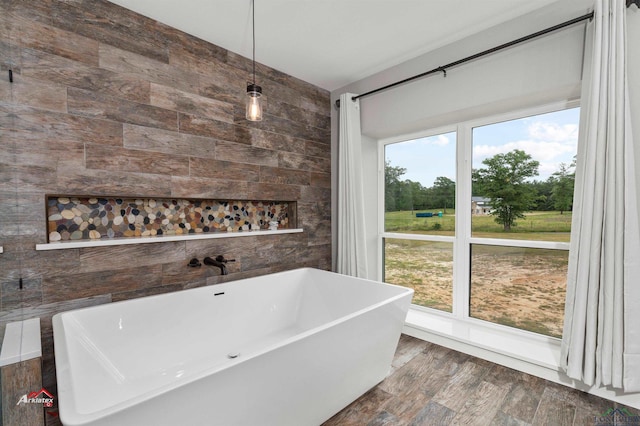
[331, 43]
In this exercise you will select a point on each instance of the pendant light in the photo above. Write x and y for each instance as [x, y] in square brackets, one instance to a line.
[254, 92]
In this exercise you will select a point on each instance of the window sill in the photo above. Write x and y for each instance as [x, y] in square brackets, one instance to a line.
[161, 239]
[530, 353]
[512, 343]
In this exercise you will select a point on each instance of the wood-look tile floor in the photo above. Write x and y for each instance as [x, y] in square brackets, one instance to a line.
[432, 385]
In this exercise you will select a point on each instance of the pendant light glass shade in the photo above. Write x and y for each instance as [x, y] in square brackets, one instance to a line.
[254, 102]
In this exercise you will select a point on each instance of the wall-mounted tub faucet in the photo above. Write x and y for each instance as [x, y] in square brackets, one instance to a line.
[219, 262]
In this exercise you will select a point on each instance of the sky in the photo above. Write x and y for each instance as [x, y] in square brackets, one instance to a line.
[549, 138]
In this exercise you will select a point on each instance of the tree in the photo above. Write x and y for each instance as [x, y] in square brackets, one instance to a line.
[562, 189]
[504, 182]
[404, 196]
[444, 192]
[418, 195]
[392, 186]
[542, 188]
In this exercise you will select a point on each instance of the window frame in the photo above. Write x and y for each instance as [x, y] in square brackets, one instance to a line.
[462, 239]
[382, 143]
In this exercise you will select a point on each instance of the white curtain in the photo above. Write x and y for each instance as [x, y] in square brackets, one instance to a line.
[352, 249]
[601, 337]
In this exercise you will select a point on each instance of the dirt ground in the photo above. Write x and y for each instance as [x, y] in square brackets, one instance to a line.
[523, 288]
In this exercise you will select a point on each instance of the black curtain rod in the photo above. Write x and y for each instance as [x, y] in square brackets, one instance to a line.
[443, 69]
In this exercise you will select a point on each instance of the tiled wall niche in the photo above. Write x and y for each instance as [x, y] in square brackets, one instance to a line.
[91, 218]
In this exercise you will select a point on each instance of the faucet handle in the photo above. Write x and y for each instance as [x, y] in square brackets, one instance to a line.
[220, 258]
[194, 263]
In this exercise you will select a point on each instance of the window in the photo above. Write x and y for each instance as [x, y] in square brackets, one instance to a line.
[426, 266]
[496, 247]
[519, 286]
[419, 219]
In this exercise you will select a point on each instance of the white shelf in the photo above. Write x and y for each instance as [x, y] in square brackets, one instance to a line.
[61, 245]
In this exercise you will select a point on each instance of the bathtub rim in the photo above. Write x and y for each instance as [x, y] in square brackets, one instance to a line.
[73, 417]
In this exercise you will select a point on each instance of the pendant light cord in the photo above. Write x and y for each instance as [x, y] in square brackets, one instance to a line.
[253, 33]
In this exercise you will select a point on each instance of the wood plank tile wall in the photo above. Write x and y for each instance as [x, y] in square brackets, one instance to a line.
[108, 102]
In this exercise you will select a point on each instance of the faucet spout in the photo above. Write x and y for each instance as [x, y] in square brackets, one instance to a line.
[215, 262]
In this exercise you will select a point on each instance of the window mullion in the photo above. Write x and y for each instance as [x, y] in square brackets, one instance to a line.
[461, 260]
[380, 248]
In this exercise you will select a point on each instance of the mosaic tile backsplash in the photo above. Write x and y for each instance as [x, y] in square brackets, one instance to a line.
[86, 218]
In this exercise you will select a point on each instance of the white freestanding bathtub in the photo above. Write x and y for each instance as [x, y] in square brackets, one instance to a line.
[291, 348]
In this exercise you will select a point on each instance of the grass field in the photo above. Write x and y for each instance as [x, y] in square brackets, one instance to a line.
[518, 287]
[541, 226]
